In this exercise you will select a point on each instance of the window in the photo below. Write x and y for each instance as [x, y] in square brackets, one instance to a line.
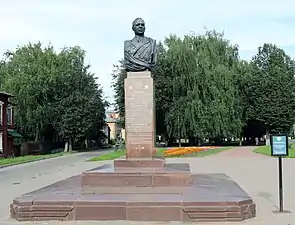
[1, 112]
[9, 115]
[1, 143]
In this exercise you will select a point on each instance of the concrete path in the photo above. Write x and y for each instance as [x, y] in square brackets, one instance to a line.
[20, 179]
[256, 174]
[245, 151]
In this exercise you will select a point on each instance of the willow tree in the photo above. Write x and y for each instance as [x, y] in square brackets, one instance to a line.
[163, 89]
[206, 102]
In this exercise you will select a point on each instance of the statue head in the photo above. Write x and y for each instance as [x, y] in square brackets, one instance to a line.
[138, 26]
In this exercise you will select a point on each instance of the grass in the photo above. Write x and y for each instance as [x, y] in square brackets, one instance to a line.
[28, 158]
[265, 150]
[160, 152]
[108, 156]
[209, 152]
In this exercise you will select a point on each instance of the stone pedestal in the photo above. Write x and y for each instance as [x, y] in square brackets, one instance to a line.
[139, 115]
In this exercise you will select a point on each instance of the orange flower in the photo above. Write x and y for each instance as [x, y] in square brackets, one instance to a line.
[185, 150]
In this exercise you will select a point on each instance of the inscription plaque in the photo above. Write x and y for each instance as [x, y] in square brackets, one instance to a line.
[139, 114]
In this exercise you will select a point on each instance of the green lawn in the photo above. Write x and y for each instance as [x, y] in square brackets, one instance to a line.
[160, 152]
[265, 150]
[27, 159]
[108, 156]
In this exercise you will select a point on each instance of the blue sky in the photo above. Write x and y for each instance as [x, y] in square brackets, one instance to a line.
[101, 26]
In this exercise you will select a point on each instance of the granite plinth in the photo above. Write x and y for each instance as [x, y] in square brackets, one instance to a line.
[139, 114]
[146, 163]
[107, 175]
[211, 197]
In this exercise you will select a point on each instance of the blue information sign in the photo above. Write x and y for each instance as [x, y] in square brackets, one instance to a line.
[279, 145]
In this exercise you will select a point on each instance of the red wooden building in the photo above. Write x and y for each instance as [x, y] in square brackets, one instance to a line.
[7, 132]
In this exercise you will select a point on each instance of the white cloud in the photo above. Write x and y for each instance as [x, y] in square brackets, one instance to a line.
[100, 27]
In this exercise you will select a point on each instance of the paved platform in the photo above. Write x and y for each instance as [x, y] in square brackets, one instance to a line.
[256, 174]
[212, 197]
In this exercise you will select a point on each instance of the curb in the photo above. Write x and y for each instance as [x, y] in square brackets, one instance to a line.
[41, 159]
[5, 166]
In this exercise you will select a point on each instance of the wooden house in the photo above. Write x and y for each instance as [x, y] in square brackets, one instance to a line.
[7, 132]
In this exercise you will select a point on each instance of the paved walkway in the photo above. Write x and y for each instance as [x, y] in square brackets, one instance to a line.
[256, 174]
[20, 179]
[245, 151]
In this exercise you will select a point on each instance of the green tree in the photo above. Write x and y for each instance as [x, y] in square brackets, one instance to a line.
[206, 103]
[25, 72]
[270, 90]
[119, 74]
[78, 105]
[163, 89]
[54, 90]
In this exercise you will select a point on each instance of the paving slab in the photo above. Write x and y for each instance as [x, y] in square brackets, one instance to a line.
[20, 179]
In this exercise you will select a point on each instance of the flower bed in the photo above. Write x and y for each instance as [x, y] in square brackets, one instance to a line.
[185, 151]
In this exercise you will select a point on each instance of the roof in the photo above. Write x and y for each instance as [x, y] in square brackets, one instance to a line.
[13, 133]
[3, 93]
[111, 116]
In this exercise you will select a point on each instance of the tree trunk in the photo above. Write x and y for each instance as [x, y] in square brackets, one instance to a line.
[37, 133]
[267, 136]
[68, 145]
[179, 136]
[71, 144]
[199, 142]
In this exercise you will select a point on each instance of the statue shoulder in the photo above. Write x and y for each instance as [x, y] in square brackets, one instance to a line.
[151, 40]
[127, 45]
[127, 42]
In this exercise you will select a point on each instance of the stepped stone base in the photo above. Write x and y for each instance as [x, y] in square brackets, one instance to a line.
[145, 163]
[211, 197]
[169, 175]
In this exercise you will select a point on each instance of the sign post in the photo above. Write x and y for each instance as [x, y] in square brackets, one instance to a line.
[279, 148]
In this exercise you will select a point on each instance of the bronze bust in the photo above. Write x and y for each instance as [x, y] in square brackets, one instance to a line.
[140, 52]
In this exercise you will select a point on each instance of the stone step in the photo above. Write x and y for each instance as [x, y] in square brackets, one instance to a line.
[59, 214]
[200, 208]
[214, 215]
[145, 163]
[213, 220]
[33, 208]
[107, 176]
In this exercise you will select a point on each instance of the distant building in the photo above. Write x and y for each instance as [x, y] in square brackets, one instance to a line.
[7, 132]
[114, 129]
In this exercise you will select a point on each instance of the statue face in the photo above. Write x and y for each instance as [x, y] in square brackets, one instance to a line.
[138, 27]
